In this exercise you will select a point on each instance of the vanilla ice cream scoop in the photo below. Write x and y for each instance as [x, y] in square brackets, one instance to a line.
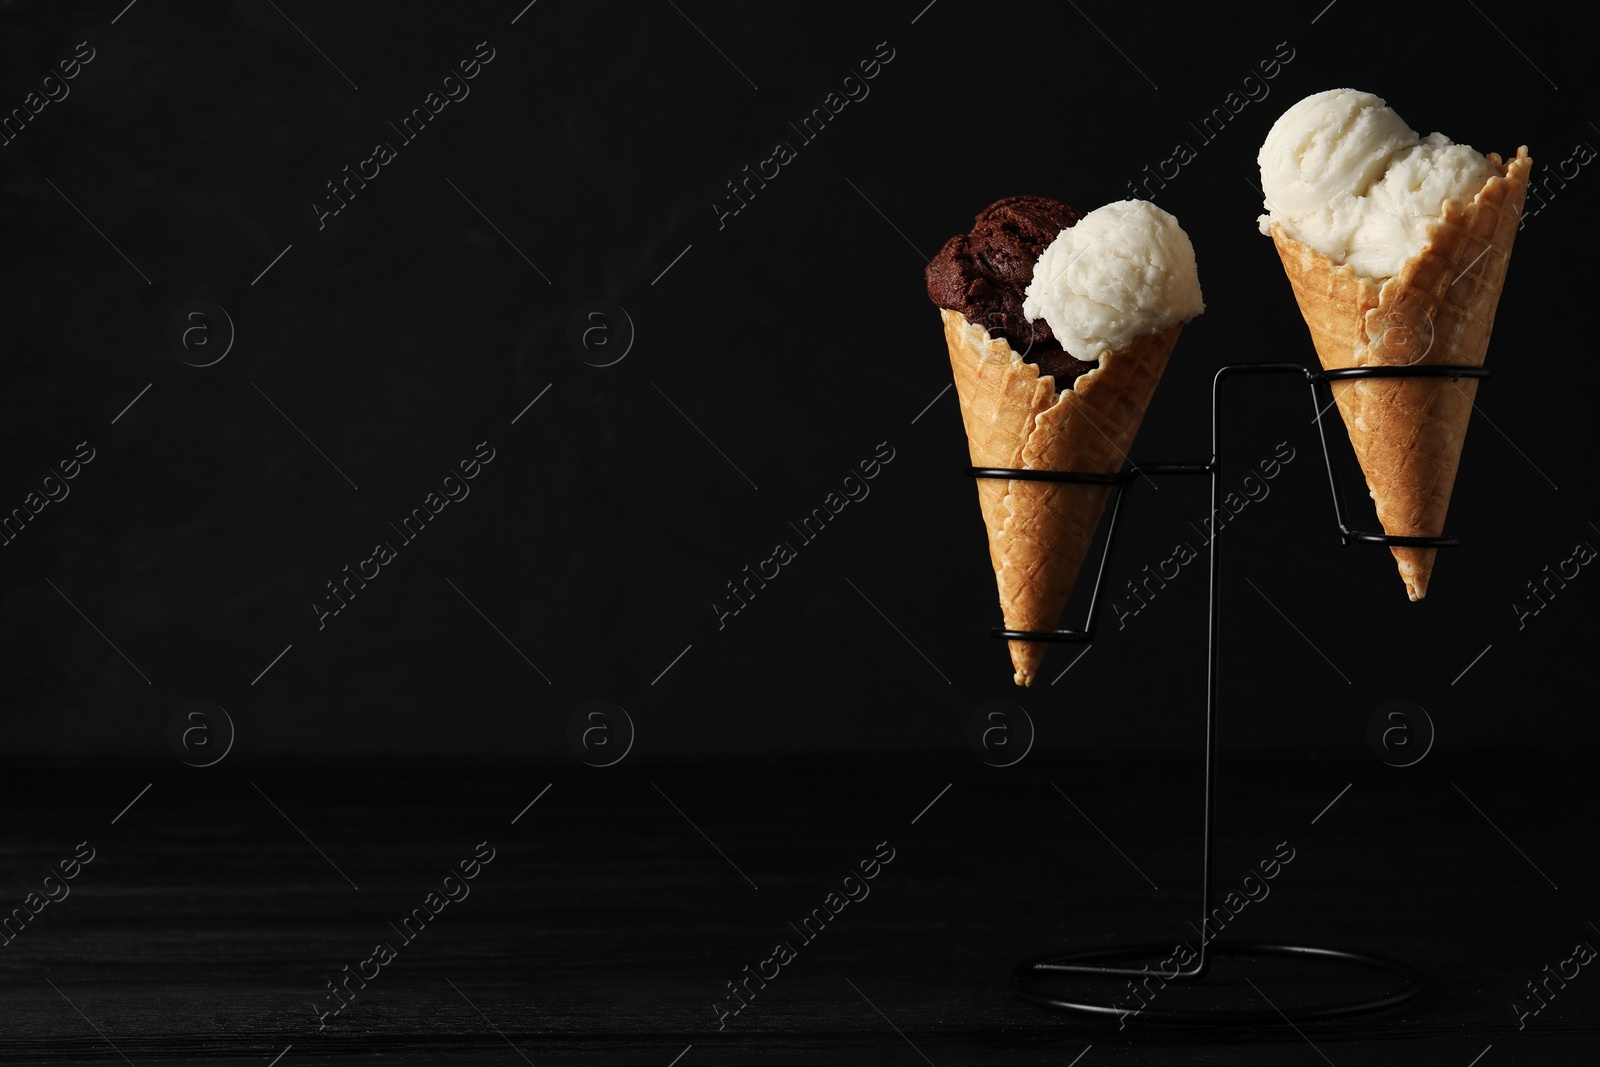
[1124, 271]
[1344, 174]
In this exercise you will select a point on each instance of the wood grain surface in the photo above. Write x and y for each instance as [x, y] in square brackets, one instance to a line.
[616, 910]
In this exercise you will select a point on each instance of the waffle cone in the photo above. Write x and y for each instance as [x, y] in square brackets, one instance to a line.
[1040, 532]
[1407, 432]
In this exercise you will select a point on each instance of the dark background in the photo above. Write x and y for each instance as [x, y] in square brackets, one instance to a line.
[796, 337]
[773, 354]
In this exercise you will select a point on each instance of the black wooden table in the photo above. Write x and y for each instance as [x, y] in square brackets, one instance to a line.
[613, 913]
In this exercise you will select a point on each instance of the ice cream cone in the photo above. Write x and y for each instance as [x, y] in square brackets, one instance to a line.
[1439, 309]
[1040, 532]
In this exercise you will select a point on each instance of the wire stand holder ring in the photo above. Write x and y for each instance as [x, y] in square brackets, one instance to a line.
[1100, 962]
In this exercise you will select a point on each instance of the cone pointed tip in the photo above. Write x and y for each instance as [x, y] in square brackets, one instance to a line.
[1416, 585]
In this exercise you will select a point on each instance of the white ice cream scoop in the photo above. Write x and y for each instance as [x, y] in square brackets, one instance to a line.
[1125, 270]
[1345, 175]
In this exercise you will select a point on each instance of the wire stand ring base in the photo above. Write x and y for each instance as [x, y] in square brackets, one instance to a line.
[1411, 985]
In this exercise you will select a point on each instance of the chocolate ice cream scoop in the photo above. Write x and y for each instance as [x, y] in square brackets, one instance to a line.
[984, 274]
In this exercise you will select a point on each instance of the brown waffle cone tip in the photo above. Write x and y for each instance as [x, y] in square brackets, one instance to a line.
[1407, 432]
[1040, 532]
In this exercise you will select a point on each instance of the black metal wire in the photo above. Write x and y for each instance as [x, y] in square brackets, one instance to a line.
[1058, 965]
[1121, 480]
[1432, 370]
[1410, 985]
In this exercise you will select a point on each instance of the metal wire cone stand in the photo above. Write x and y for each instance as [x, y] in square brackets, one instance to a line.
[1406, 984]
